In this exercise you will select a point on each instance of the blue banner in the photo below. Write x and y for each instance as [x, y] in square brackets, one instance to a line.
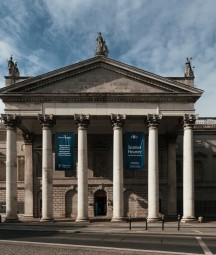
[134, 150]
[64, 151]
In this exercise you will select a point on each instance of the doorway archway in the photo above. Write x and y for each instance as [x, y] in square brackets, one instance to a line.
[100, 203]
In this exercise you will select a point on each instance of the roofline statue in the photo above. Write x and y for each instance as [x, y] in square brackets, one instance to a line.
[101, 49]
[13, 68]
[188, 69]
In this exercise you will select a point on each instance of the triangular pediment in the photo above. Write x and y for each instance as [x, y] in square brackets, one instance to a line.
[98, 75]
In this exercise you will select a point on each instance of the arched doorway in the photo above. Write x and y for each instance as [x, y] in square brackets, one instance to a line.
[100, 205]
[71, 204]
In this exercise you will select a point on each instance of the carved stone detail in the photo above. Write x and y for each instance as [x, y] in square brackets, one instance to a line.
[118, 120]
[189, 120]
[28, 137]
[153, 120]
[188, 69]
[47, 121]
[11, 121]
[82, 121]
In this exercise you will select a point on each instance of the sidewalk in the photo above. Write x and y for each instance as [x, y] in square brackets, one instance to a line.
[138, 227]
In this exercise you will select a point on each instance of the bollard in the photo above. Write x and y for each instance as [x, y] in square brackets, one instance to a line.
[130, 222]
[162, 222]
[146, 224]
[179, 219]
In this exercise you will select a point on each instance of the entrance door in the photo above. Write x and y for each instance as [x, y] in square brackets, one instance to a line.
[100, 206]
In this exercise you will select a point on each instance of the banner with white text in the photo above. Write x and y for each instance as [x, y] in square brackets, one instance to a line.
[134, 150]
[64, 151]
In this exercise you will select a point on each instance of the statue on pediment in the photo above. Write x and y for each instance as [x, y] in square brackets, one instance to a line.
[13, 68]
[101, 49]
[188, 69]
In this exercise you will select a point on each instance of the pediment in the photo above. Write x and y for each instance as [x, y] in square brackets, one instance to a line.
[98, 76]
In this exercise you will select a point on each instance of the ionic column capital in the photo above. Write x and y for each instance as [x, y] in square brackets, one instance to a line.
[11, 121]
[28, 138]
[153, 120]
[118, 120]
[47, 120]
[189, 120]
[82, 121]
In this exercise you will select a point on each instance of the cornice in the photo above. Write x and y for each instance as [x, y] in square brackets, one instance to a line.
[100, 97]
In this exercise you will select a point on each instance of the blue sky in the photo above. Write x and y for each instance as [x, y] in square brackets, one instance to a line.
[154, 35]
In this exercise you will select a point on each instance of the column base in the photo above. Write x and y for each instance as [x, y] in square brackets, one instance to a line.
[28, 217]
[188, 219]
[47, 220]
[154, 219]
[82, 220]
[12, 220]
[118, 219]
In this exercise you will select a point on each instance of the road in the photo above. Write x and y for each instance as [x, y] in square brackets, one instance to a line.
[110, 243]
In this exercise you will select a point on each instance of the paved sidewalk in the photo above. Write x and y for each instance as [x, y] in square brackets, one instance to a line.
[69, 226]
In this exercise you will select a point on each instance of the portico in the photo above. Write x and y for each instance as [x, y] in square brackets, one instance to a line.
[99, 100]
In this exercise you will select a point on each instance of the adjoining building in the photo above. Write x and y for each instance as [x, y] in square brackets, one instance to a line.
[102, 138]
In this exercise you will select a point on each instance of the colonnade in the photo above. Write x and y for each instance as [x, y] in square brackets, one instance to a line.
[82, 121]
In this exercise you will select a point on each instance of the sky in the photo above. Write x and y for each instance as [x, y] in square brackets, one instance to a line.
[153, 35]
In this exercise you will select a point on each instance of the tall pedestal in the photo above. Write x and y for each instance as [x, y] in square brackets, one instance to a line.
[153, 179]
[188, 169]
[47, 122]
[11, 122]
[82, 122]
[118, 198]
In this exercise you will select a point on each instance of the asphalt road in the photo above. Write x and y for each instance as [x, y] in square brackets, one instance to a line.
[129, 243]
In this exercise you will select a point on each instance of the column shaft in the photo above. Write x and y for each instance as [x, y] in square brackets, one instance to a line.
[47, 122]
[11, 122]
[153, 178]
[188, 170]
[11, 176]
[118, 193]
[82, 171]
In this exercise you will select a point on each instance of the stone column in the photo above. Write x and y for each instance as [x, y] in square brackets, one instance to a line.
[82, 122]
[153, 178]
[118, 196]
[172, 188]
[188, 169]
[47, 122]
[28, 200]
[11, 122]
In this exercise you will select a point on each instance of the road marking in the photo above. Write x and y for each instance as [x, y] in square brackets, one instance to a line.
[204, 246]
[197, 231]
[93, 247]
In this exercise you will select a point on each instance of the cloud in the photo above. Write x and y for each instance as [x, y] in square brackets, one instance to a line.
[152, 35]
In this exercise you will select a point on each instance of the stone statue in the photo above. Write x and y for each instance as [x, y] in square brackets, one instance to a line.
[13, 68]
[101, 49]
[188, 69]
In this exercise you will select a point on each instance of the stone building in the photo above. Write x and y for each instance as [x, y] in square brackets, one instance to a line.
[100, 101]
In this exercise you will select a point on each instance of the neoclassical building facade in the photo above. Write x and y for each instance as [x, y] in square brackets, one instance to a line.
[100, 101]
